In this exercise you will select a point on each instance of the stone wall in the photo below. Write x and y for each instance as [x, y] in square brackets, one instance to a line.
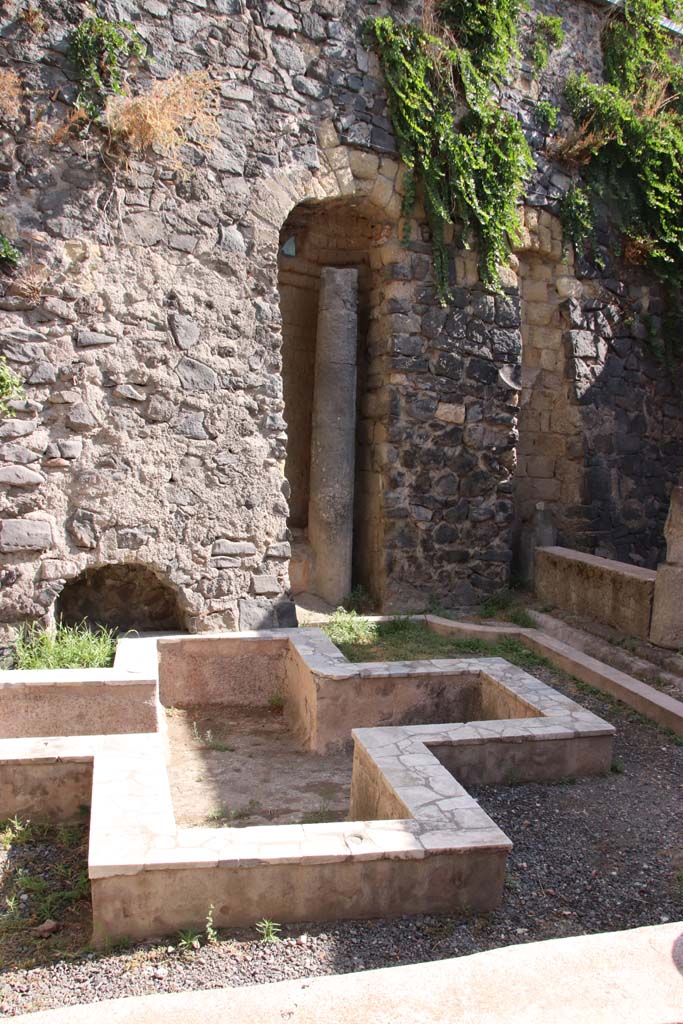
[154, 431]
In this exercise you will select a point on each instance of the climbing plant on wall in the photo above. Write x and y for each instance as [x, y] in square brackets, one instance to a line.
[628, 144]
[470, 156]
[10, 387]
[99, 50]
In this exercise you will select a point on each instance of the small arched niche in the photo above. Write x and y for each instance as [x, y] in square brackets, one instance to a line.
[123, 597]
[342, 234]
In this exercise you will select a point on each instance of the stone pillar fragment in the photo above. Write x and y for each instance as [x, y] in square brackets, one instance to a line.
[333, 434]
[666, 629]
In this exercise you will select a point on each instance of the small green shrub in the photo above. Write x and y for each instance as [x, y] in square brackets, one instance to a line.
[348, 628]
[18, 831]
[9, 254]
[548, 35]
[189, 940]
[99, 51]
[10, 387]
[359, 600]
[547, 116]
[520, 617]
[276, 702]
[65, 647]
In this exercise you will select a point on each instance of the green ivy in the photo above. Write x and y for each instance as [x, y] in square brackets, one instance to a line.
[99, 50]
[471, 168]
[639, 44]
[630, 135]
[10, 387]
[9, 254]
[547, 116]
[576, 214]
[488, 31]
[548, 34]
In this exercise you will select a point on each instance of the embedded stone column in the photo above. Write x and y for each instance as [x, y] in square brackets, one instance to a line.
[666, 628]
[333, 434]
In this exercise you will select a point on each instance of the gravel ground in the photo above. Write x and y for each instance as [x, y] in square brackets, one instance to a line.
[594, 855]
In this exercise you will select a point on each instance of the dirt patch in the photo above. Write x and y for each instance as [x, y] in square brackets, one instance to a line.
[241, 766]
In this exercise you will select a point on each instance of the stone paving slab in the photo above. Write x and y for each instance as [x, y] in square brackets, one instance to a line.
[629, 977]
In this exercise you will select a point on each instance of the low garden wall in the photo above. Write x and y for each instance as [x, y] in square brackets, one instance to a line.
[615, 593]
[418, 842]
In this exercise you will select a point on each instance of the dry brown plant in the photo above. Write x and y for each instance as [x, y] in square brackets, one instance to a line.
[76, 121]
[180, 111]
[30, 282]
[579, 146]
[10, 94]
[33, 17]
[637, 251]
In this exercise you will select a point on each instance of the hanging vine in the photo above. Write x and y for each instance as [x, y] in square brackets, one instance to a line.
[628, 143]
[470, 156]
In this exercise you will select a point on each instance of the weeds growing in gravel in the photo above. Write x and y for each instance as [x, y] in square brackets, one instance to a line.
[210, 929]
[189, 940]
[15, 832]
[44, 877]
[268, 930]
[223, 814]
[80, 646]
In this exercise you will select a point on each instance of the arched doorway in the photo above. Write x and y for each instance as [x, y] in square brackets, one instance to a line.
[345, 234]
[123, 597]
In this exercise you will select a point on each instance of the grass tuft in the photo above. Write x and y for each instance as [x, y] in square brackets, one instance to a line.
[80, 646]
[403, 639]
[323, 814]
